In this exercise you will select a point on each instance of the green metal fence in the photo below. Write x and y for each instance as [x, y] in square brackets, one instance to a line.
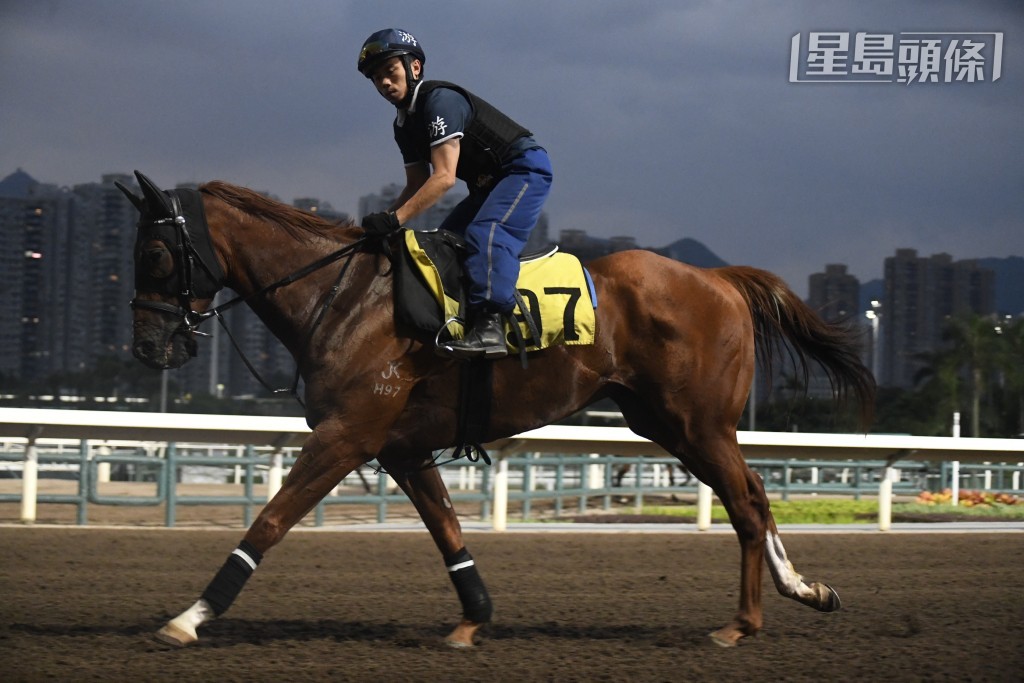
[563, 482]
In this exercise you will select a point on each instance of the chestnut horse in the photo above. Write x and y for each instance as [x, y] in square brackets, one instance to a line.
[675, 349]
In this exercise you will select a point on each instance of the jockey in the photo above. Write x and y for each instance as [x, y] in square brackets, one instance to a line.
[445, 132]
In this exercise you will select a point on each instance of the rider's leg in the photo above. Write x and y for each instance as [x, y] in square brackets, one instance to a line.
[495, 239]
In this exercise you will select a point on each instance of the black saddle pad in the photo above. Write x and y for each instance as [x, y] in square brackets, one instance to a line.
[415, 305]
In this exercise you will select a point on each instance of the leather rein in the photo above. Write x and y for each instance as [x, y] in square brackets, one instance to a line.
[187, 257]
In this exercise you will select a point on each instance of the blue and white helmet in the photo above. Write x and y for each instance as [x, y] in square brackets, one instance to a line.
[387, 43]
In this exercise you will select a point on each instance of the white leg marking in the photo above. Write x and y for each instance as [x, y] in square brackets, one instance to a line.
[197, 614]
[787, 580]
[181, 630]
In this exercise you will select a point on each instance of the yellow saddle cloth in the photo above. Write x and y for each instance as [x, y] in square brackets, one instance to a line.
[555, 289]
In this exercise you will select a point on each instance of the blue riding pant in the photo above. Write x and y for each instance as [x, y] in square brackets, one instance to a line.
[497, 225]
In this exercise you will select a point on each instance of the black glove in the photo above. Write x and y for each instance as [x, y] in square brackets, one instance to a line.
[381, 224]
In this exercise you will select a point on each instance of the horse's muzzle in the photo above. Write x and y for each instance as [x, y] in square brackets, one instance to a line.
[163, 352]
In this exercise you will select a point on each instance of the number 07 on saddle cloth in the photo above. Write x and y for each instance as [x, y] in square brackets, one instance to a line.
[555, 288]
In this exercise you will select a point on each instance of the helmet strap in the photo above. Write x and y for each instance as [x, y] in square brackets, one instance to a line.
[410, 80]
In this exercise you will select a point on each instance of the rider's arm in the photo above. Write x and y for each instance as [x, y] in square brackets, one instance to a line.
[415, 175]
[421, 191]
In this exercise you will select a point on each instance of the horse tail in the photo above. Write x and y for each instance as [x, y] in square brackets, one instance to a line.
[783, 321]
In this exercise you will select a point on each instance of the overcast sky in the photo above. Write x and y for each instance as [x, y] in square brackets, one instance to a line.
[664, 119]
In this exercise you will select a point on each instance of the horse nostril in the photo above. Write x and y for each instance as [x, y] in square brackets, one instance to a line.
[144, 349]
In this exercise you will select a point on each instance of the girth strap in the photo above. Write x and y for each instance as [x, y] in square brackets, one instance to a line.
[475, 388]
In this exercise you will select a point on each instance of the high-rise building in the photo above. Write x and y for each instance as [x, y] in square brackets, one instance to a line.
[322, 209]
[37, 255]
[921, 295]
[428, 220]
[834, 294]
[67, 257]
[102, 211]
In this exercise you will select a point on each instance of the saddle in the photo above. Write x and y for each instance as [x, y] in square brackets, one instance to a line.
[555, 302]
[555, 295]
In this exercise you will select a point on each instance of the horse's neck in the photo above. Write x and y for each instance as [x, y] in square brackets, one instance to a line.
[264, 255]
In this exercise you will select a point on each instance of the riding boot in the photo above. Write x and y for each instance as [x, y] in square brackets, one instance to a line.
[485, 339]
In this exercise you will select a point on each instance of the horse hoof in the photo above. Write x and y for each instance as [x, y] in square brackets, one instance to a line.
[462, 636]
[725, 637]
[830, 601]
[175, 636]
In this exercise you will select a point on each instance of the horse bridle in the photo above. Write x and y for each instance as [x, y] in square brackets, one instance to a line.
[186, 257]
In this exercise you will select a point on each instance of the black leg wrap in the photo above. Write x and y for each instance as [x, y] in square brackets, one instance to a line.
[476, 603]
[228, 582]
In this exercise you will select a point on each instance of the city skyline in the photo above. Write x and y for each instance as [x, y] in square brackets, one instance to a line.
[374, 200]
[68, 260]
[664, 120]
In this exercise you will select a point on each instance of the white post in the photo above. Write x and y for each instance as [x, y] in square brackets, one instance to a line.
[274, 476]
[499, 516]
[638, 478]
[885, 501]
[103, 468]
[703, 506]
[30, 482]
[955, 465]
[595, 474]
[656, 474]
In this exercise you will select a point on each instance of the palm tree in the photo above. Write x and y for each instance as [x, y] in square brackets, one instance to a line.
[939, 378]
[1011, 369]
[972, 350]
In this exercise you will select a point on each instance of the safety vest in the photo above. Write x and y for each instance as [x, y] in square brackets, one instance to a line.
[488, 141]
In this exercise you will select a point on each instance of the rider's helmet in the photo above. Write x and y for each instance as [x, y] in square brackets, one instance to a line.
[387, 43]
[392, 42]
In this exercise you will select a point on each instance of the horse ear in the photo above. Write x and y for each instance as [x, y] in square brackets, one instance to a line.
[156, 200]
[138, 202]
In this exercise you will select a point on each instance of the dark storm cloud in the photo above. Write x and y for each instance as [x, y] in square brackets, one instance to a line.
[664, 119]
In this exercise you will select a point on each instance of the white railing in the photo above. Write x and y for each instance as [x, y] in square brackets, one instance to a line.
[280, 432]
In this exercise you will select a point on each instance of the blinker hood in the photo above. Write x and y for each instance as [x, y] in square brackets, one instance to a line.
[176, 218]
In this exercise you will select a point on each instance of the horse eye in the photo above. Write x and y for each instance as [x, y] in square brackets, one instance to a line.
[158, 262]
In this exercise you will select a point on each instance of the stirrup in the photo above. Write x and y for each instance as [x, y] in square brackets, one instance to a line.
[467, 348]
[441, 331]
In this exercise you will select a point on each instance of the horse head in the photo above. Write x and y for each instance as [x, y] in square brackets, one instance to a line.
[172, 279]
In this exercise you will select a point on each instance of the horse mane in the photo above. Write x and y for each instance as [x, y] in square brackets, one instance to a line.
[294, 221]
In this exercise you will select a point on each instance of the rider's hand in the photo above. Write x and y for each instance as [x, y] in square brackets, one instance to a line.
[381, 224]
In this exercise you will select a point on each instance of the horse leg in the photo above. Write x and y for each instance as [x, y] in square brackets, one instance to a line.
[318, 470]
[429, 495]
[742, 493]
[366, 485]
[723, 469]
[620, 473]
[789, 583]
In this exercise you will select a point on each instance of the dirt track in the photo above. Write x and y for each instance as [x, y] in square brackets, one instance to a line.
[80, 604]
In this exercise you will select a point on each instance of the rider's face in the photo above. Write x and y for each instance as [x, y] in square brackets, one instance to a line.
[389, 79]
